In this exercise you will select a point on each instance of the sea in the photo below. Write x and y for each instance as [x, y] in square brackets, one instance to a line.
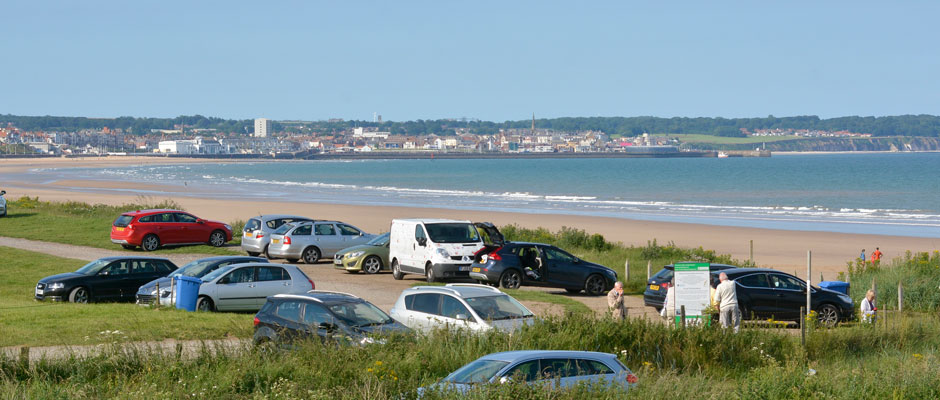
[876, 193]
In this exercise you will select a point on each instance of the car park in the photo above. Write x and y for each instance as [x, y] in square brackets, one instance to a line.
[151, 229]
[147, 293]
[658, 284]
[256, 235]
[435, 248]
[768, 293]
[311, 241]
[371, 257]
[105, 279]
[556, 368]
[518, 264]
[322, 315]
[461, 306]
[245, 287]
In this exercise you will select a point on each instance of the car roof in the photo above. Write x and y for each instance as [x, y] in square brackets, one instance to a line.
[510, 356]
[322, 296]
[465, 290]
[224, 258]
[267, 217]
[261, 264]
[115, 258]
[151, 211]
[744, 271]
[430, 220]
[529, 244]
[711, 266]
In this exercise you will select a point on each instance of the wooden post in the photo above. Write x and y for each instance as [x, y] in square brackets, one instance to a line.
[751, 258]
[157, 300]
[900, 297]
[24, 356]
[803, 326]
[172, 300]
[626, 270]
[821, 277]
[649, 267]
[809, 275]
[682, 315]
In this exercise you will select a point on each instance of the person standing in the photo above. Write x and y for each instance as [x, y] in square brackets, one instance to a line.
[868, 306]
[727, 299]
[876, 256]
[618, 309]
[669, 305]
[862, 257]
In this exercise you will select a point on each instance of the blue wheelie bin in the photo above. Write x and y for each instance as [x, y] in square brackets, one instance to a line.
[187, 292]
[838, 286]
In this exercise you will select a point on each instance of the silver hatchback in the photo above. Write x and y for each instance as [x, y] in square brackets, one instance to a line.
[314, 240]
[257, 232]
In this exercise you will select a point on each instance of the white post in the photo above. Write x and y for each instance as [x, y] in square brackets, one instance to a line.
[649, 266]
[809, 275]
[626, 270]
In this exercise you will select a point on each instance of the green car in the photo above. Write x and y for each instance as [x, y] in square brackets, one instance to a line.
[371, 257]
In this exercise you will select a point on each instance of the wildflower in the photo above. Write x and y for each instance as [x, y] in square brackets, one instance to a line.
[918, 356]
[378, 363]
[369, 369]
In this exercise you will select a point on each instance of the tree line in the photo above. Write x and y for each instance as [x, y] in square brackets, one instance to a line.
[901, 125]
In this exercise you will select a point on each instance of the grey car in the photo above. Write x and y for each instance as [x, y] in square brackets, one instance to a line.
[257, 231]
[245, 287]
[314, 240]
[555, 368]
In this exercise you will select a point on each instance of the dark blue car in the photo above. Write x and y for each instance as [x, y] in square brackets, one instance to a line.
[536, 264]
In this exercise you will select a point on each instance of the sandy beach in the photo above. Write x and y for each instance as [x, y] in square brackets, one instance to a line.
[782, 249]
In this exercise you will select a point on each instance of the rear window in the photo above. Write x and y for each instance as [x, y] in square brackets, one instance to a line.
[664, 275]
[123, 221]
[283, 229]
[252, 225]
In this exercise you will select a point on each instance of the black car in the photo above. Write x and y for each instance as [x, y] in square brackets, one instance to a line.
[322, 315]
[656, 286]
[105, 279]
[768, 293]
[147, 293]
[535, 264]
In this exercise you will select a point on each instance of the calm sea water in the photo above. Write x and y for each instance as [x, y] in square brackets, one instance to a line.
[897, 193]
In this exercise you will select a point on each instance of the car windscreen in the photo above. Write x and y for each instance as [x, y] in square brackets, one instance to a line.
[93, 267]
[452, 233]
[479, 371]
[664, 275]
[283, 229]
[356, 314]
[195, 269]
[380, 240]
[215, 274]
[497, 307]
[123, 221]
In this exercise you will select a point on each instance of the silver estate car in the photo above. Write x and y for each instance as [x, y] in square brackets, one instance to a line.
[460, 305]
[257, 232]
[555, 368]
[312, 241]
[246, 287]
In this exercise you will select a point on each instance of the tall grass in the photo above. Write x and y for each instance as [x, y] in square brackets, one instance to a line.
[918, 273]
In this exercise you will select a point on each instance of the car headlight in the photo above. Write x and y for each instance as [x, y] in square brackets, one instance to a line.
[355, 254]
[56, 286]
[443, 253]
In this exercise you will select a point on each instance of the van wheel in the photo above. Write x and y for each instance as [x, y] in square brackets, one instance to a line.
[429, 273]
[510, 279]
[396, 270]
[311, 255]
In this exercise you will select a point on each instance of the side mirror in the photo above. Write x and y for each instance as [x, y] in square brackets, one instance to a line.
[462, 317]
[200, 221]
[422, 242]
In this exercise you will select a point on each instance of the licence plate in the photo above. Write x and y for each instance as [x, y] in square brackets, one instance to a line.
[119, 229]
[476, 269]
[654, 287]
[275, 241]
[338, 261]
[467, 268]
[39, 292]
[249, 234]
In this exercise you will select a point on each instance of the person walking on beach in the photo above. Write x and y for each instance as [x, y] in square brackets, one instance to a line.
[868, 306]
[862, 257]
[618, 309]
[876, 256]
[727, 299]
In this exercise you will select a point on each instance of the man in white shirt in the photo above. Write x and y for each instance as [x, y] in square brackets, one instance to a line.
[727, 301]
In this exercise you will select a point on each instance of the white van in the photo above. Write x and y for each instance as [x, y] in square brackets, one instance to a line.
[435, 248]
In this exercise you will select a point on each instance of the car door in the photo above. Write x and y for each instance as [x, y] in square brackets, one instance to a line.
[351, 236]
[271, 281]
[419, 249]
[315, 316]
[165, 227]
[454, 314]
[526, 371]
[327, 239]
[110, 280]
[288, 322]
[142, 271]
[791, 295]
[190, 230]
[587, 370]
[422, 308]
[562, 268]
[755, 295]
[236, 290]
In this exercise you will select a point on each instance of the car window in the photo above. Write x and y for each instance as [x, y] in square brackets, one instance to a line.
[163, 268]
[274, 223]
[592, 367]
[558, 368]
[525, 372]
[325, 229]
[497, 307]
[754, 281]
[116, 268]
[348, 230]
[252, 225]
[186, 218]
[272, 274]
[146, 218]
[556, 254]
[452, 232]
[143, 267]
[785, 282]
[315, 315]
[419, 232]
[242, 275]
[664, 275]
[450, 307]
[289, 310]
[423, 302]
[302, 230]
[283, 229]
[356, 314]
[123, 221]
[165, 217]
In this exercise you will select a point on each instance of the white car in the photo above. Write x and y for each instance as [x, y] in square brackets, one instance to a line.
[461, 306]
[435, 248]
[313, 240]
[246, 287]
[3, 204]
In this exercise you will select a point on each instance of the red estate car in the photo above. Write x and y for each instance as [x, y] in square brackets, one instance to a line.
[151, 229]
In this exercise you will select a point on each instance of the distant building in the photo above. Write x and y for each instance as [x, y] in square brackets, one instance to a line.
[262, 127]
[178, 146]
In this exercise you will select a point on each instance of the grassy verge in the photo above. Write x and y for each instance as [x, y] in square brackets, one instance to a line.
[25, 321]
[89, 225]
[917, 273]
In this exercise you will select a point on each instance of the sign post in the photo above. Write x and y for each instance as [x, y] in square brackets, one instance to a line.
[692, 289]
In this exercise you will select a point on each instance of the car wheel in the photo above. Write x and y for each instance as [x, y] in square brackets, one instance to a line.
[311, 255]
[396, 271]
[265, 252]
[372, 264]
[573, 291]
[79, 295]
[253, 253]
[510, 279]
[128, 246]
[150, 243]
[204, 304]
[217, 239]
[429, 273]
[828, 315]
[594, 285]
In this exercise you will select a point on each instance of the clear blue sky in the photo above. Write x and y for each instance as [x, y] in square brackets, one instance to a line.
[500, 60]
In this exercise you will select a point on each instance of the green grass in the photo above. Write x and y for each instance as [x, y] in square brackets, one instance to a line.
[28, 322]
[918, 274]
[89, 225]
